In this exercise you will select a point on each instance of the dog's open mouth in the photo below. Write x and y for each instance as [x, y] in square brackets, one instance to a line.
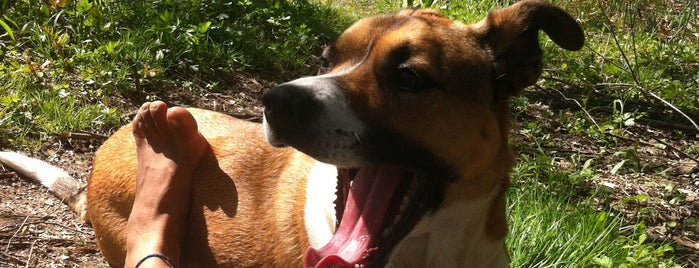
[380, 207]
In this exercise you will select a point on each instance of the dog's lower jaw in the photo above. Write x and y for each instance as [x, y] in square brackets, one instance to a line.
[453, 236]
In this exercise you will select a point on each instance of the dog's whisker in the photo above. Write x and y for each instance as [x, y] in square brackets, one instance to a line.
[356, 136]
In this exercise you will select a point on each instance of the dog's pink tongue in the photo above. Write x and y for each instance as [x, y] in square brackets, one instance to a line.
[368, 200]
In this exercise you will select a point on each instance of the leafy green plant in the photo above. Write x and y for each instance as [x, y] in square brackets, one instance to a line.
[639, 252]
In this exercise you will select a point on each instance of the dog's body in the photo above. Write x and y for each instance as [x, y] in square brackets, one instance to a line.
[411, 108]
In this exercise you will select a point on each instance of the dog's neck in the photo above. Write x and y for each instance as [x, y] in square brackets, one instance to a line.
[454, 236]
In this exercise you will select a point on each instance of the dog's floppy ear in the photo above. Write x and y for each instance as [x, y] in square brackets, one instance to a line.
[512, 35]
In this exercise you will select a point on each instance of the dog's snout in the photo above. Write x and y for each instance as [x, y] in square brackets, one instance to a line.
[289, 101]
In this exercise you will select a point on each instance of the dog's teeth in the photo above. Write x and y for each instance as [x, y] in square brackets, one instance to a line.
[404, 204]
[396, 220]
[387, 231]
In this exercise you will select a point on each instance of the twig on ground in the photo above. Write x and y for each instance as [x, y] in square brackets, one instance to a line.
[29, 257]
[589, 116]
[85, 136]
[9, 241]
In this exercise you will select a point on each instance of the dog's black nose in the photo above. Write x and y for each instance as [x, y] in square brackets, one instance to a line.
[290, 104]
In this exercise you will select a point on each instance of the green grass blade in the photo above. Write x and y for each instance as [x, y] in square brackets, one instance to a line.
[7, 29]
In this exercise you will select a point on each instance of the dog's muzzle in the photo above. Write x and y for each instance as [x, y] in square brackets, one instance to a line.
[291, 106]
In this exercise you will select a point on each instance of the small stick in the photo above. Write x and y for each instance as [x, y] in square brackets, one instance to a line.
[31, 249]
[9, 241]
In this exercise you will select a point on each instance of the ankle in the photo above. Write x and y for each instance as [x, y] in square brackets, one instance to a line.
[155, 260]
[147, 244]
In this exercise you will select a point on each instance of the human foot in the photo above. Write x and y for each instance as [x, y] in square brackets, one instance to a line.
[168, 149]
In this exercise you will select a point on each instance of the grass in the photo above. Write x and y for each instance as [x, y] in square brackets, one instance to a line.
[554, 224]
[90, 51]
[550, 231]
[602, 116]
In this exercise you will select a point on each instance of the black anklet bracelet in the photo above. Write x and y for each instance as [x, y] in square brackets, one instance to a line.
[162, 257]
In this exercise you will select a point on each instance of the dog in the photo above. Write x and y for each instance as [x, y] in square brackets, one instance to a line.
[396, 154]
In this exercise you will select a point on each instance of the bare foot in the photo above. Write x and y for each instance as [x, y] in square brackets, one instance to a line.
[168, 149]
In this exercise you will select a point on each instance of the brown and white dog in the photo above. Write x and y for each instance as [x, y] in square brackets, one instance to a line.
[395, 155]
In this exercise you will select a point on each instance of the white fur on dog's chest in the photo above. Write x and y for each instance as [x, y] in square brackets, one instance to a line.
[451, 237]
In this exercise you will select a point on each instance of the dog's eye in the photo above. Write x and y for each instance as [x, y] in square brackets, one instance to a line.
[410, 80]
[324, 65]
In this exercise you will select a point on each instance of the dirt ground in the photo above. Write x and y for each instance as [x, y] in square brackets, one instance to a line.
[38, 230]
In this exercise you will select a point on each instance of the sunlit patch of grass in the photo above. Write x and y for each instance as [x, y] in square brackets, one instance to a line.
[49, 110]
[550, 226]
[64, 60]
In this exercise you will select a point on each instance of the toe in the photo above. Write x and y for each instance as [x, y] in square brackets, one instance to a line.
[146, 118]
[158, 111]
[182, 121]
[137, 125]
